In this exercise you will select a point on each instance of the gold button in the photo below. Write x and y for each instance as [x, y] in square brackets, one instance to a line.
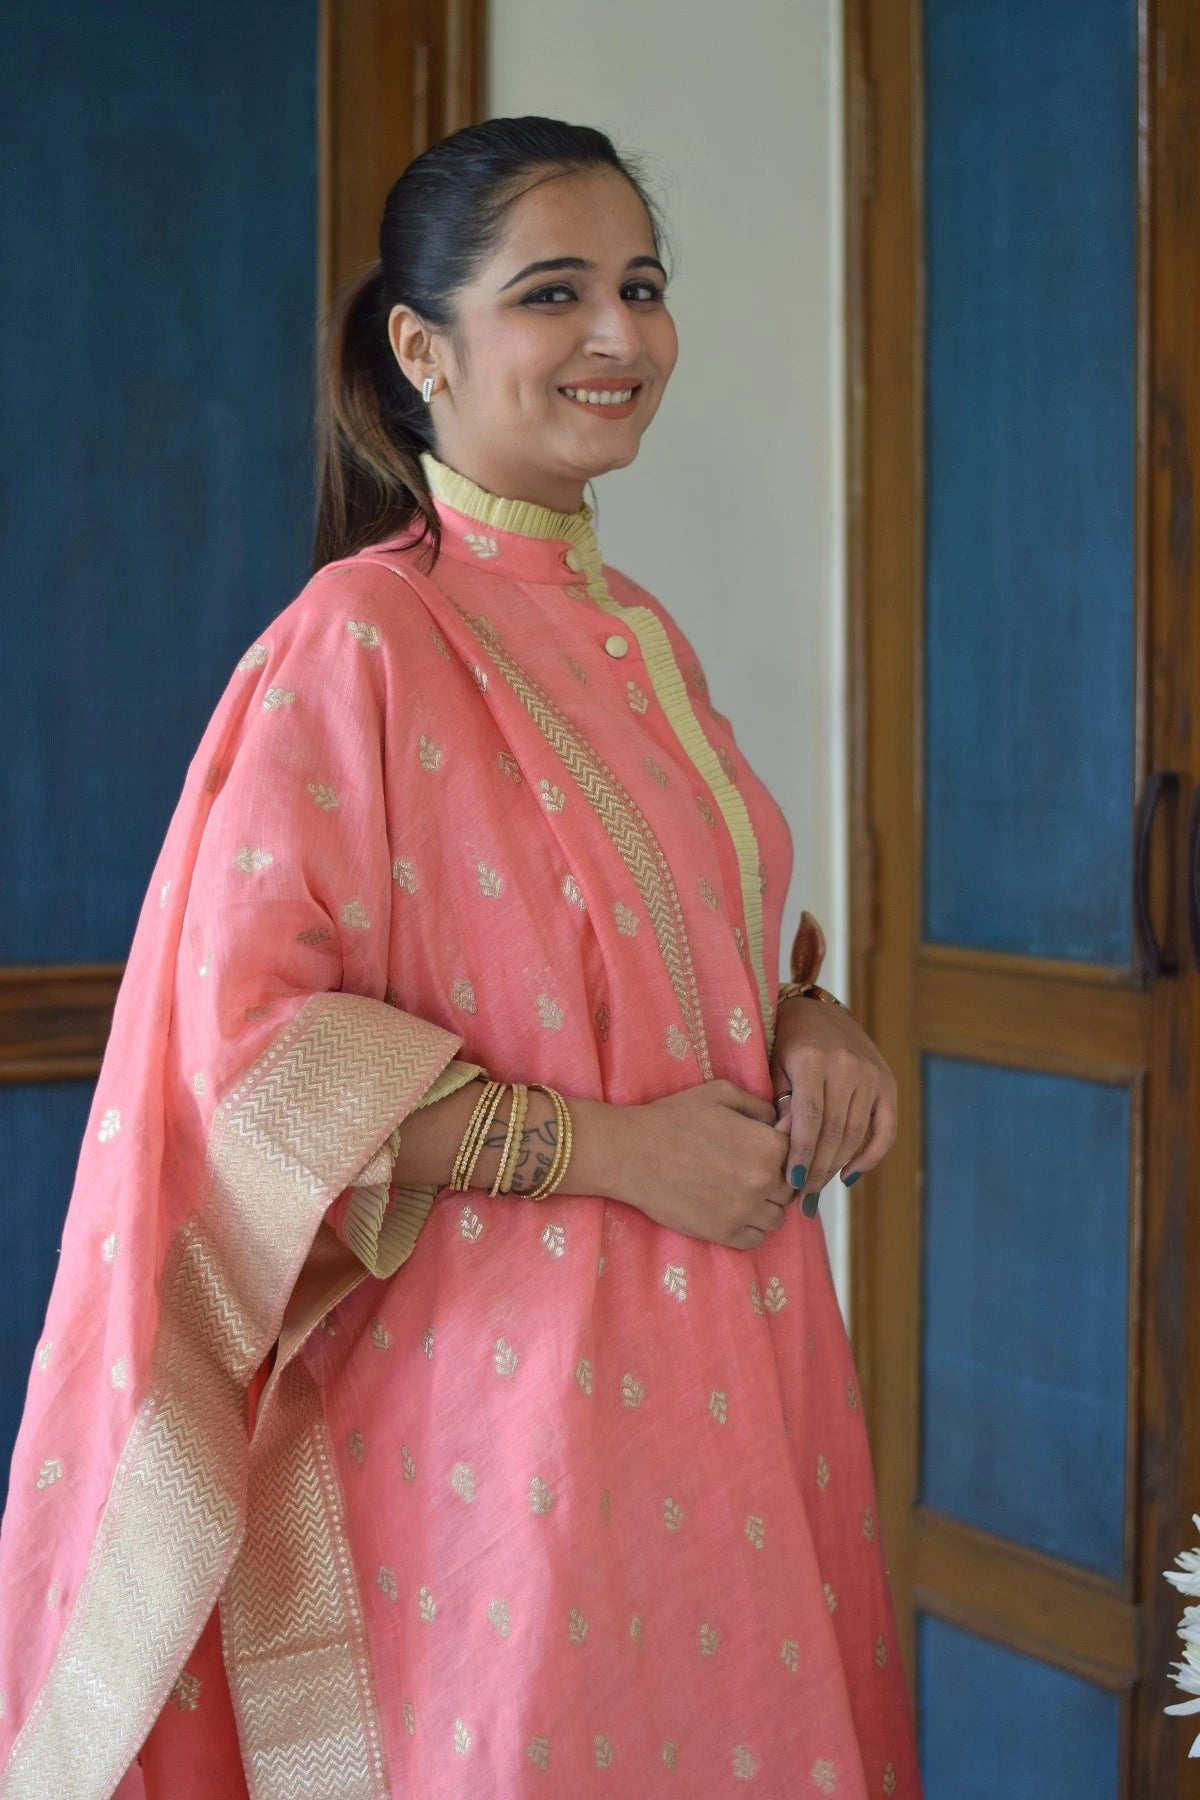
[573, 560]
[616, 645]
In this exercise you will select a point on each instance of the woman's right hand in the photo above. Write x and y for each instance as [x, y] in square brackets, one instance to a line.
[707, 1162]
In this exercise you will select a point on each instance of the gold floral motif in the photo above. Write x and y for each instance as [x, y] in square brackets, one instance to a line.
[675, 1280]
[633, 1391]
[824, 1774]
[775, 1295]
[852, 1397]
[626, 919]
[404, 874]
[482, 545]
[249, 860]
[52, 1597]
[487, 632]
[603, 1020]
[427, 1342]
[740, 1028]
[576, 590]
[429, 753]
[789, 1654]
[462, 1480]
[698, 678]
[830, 1598]
[573, 892]
[439, 643]
[708, 891]
[600, 1267]
[555, 1239]
[185, 1695]
[881, 1655]
[637, 1630]
[462, 995]
[745, 1766]
[110, 1124]
[706, 811]
[577, 669]
[755, 1530]
[479, 676]
[163, 891]
[407, 1465]
[577, 1626]
[491, 882]
[551, 796]
[869, 1526]
[670, 1752]
[462, 1738]
[550, 1011]
[718, 1406]
[638, 700]
[110, 1249]
[602, 1751]
[539, 1752]
[672, 1514]
[50, 1472]
[889, 1780]
[507, 763]
[354, 1444]
[385, 1581]
[354, 914]
[381, 1337]
[677, 1042]
[756, 1299]
[117, 1373]
[199, 1084]
[505, 1359]
[470, 1225]
[427, 1606]
[541, 1496]
[325, 796]
[314, 935]
[822, 1473]
[499, 1616]
[727, 763]
[363, 634]
[583, 1374]
[253, 1013]
[740, 942]
[710, 1637]
[44, 1354]
[277, 697]
[655, 771]
[254, 658]
[406, 1712]
[762, 877]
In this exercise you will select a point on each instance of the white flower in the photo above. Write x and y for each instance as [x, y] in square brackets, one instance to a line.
[1186, 1674]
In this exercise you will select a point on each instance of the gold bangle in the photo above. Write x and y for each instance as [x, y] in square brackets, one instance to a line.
[510, 1138]
[521, 1104]
[806, 990]
[467, 1141]
[481, 1136]
[562, 1149]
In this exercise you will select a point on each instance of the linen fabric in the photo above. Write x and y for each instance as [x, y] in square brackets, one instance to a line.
[327, 1487]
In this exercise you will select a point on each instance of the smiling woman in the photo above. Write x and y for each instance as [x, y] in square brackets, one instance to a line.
[439, 1390]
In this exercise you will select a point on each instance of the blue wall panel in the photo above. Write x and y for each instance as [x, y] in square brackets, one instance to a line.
[995, 1725]
[158, 265]
[1031, 140]
[1025, 1306]
[41, 1131]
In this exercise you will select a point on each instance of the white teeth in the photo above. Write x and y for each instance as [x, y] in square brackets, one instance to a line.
[594, 397]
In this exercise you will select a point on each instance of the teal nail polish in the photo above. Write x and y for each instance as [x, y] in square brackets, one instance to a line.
[799, 1175]
[852, 1179]
[809, 1204]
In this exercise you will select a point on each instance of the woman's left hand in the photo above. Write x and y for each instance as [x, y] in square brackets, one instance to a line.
[842, 1109]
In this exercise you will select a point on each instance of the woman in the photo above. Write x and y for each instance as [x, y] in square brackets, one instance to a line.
[347, 1466]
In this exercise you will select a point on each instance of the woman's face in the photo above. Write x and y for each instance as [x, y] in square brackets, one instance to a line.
[596, 322]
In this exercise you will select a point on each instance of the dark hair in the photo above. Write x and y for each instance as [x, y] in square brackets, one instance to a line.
[442, 217]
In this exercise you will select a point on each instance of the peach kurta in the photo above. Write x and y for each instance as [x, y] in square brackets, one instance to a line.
[539, 1498]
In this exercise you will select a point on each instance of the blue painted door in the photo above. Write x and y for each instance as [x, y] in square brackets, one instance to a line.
[159, 278]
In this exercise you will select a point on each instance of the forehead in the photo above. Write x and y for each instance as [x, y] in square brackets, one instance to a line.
[595, 213]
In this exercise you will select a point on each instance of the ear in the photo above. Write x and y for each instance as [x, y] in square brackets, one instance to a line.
[412, 344]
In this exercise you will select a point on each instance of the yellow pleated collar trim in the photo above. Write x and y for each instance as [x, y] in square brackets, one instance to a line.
[525, 517]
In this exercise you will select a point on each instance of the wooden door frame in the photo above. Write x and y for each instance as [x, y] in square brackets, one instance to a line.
[911, 999]
[392, 77]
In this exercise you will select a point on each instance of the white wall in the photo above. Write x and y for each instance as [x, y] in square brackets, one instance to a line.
[733, 513]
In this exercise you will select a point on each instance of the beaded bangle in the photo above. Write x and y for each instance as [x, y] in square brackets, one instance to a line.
[562, 1149]
[506, 1167]
[472, 1138]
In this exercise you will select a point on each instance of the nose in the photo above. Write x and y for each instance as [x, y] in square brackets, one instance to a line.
[613, 328]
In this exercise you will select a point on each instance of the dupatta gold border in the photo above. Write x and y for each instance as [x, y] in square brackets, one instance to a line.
[284, 1143]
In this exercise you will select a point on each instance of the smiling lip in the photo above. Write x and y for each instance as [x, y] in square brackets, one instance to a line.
[602, 409]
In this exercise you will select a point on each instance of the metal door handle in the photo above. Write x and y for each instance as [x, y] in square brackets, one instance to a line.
[1155, 961]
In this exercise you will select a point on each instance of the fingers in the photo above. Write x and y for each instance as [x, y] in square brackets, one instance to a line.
[881, 1135]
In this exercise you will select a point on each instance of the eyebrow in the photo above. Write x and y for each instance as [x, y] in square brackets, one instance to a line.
[579, 262]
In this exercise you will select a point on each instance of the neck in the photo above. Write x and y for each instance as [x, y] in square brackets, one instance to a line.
[564, 496]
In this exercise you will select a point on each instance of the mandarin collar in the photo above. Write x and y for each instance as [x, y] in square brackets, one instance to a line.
[517, 537]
